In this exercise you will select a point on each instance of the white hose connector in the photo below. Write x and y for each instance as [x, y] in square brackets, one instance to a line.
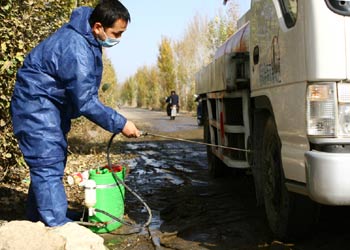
[91, 211]
[90, 195]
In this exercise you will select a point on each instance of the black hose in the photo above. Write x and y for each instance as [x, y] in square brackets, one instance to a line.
[113, 217]
[121, 182]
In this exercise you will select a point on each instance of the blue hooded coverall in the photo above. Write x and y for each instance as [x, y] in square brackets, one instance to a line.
[59, 80]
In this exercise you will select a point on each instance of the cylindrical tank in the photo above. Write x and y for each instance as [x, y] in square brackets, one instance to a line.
[220, 75]
[238, 42]
[110, 196]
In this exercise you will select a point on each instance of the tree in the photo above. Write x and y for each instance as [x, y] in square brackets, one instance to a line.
[128, 89]
[191, 53]
[222, 27]
[178, 61]
[154, 94]
[109, 85]
[78, 3]
[148, 87]
[166, 66]
[141, 83]
[22, 26]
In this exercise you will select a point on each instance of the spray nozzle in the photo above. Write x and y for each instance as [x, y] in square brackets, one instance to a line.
[143, 133]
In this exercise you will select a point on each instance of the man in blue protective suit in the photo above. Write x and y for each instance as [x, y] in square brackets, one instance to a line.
[59, 81]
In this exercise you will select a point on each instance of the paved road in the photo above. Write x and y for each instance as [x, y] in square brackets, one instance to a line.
[159, 121]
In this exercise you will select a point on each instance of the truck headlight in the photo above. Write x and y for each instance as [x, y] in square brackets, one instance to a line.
[344, 109]
[321, 109]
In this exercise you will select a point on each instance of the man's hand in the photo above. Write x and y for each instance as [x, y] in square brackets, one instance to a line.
[130, 130]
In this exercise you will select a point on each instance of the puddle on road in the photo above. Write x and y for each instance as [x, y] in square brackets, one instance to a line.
[163, 166]
[156, 220]
[190, 210]
[147, 161]
[173, 179]
[182, 168]
[139, 146]
[154, 228]
[199, 183]
[167, 165]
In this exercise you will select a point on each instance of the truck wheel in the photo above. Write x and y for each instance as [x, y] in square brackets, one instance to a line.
[289, 215]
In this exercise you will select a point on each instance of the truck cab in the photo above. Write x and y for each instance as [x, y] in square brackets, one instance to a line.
[278, 93]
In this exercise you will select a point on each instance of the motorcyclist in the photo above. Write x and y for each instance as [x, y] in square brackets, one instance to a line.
[172, 100]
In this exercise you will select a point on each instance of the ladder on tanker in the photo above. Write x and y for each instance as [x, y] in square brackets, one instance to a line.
[228, 113]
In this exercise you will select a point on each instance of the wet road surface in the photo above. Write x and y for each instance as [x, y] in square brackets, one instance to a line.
[191, 210]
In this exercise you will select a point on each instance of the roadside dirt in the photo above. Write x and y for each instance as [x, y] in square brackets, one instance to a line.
[190, 210]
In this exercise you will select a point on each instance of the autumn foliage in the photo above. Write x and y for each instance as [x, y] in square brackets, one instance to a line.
[178, 61]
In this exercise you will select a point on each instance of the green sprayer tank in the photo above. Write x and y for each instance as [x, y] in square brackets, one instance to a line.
[110, 196]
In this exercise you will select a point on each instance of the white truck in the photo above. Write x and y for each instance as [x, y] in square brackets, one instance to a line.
[279, 88]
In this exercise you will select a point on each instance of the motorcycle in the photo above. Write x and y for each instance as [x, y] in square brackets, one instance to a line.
[173, 112]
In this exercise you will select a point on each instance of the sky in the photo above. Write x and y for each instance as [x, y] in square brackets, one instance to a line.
[152, 20]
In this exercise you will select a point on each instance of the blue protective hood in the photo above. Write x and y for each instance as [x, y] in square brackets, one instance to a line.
[78, 22]
[59, 80]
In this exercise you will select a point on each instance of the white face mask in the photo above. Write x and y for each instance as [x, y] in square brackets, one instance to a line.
[108, 42]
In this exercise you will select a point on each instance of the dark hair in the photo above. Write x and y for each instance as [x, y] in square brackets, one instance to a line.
[107, 12]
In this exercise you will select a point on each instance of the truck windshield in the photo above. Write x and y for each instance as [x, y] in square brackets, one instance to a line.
[290, 10]
[339, 7]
